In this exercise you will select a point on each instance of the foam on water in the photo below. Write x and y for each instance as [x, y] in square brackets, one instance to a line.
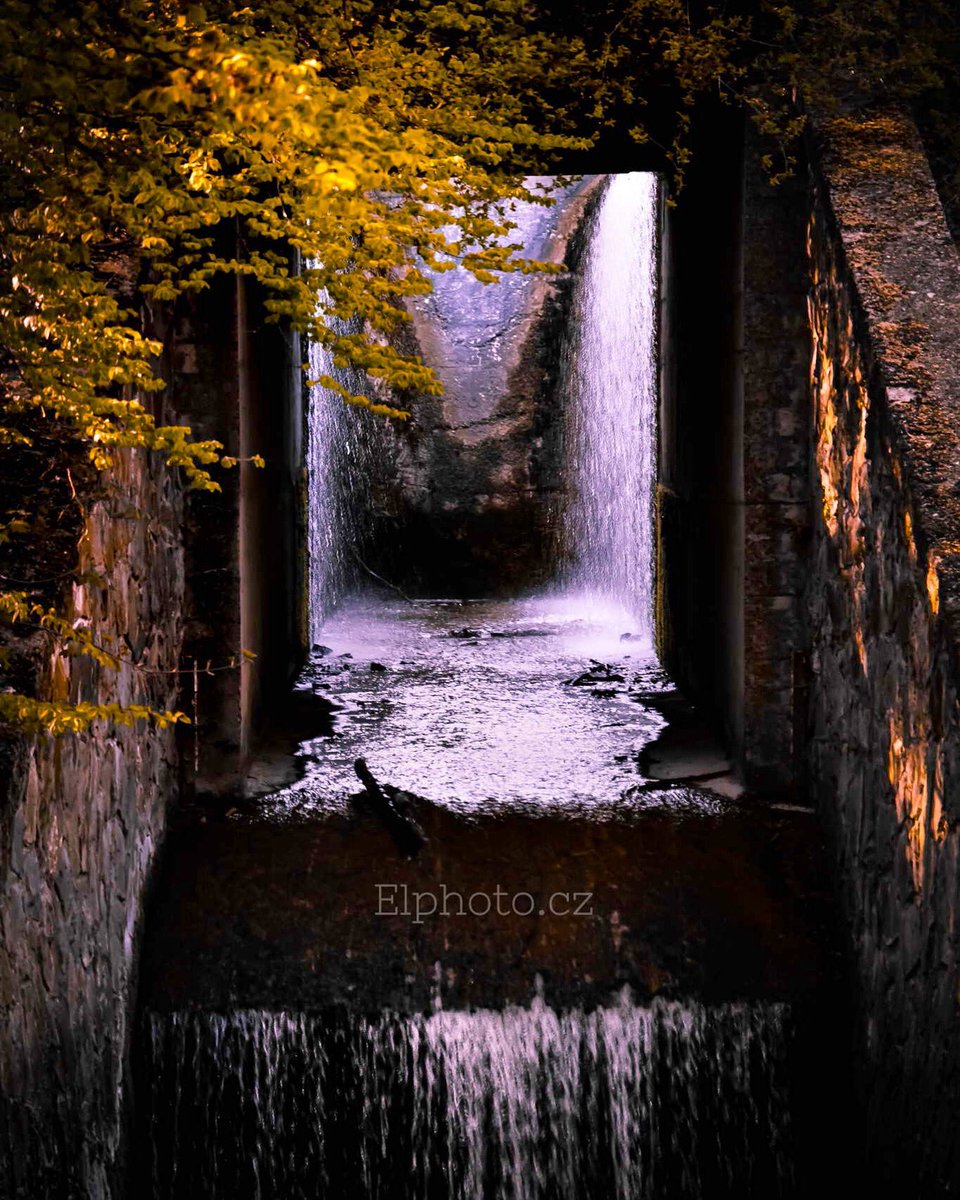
[480, 707]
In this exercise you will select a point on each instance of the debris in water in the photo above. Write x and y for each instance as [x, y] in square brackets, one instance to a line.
[598, 673]
[392, 806]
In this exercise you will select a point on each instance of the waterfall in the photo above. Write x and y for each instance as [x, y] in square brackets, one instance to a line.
[340, 459]
[622, 1103]
[611, 389]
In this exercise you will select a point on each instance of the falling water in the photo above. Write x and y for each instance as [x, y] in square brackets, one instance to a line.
[610, 377]
[330, 434]
[622, 1103]
[342, 448]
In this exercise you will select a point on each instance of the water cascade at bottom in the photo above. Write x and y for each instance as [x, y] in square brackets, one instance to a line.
[669, 1101]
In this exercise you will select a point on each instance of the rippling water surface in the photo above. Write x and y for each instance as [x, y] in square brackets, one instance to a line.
[483, 705]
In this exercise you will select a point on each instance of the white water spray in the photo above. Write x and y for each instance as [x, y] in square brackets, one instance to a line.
[342, 447]
[627, 1102]
[324, 520]
[610, 368]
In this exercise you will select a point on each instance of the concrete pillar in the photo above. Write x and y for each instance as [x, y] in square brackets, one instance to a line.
[238, 381]
[733, 501]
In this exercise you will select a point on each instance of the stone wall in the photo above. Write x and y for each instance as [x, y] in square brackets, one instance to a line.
[734, 473]
[774, 377]
[884, 607]
[809, 541]
[81, 820]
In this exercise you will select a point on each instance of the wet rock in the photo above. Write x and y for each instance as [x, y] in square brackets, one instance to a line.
[687, 751]
[273, 916]
[463, 506]
[682, 756]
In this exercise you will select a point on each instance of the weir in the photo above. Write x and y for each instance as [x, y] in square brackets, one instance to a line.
[652, 1034]
[623, 1103]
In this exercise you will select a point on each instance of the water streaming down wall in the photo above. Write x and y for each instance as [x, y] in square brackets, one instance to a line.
[340, 453]
[610, 387]
[623, 1103]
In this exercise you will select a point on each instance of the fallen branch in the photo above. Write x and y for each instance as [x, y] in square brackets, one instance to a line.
[406, 833]
[380, 579]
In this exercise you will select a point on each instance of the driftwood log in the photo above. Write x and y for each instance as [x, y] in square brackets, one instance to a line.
[390, 806]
